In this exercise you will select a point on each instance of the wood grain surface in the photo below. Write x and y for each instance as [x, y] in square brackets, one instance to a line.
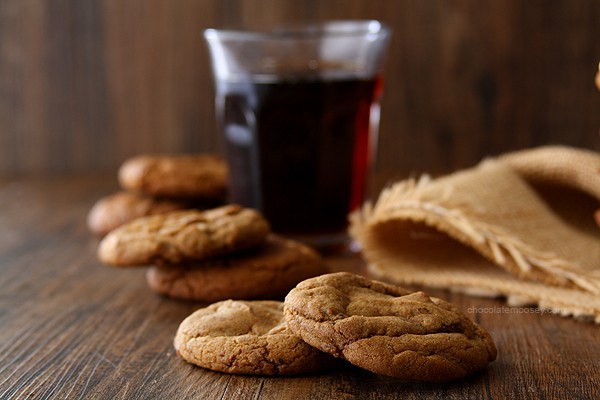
[86, 84]
[72, 328]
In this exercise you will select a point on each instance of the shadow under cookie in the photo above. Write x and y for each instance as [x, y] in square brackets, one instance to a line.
[267, 272]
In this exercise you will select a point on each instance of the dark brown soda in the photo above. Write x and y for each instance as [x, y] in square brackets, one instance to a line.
[298, 149]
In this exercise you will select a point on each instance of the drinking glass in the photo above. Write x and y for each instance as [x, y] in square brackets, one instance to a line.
[298, 109]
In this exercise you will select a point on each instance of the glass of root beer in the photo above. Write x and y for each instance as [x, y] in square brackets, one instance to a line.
[298, 109]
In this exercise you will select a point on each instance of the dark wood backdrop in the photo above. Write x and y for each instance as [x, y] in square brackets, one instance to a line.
[85, 84]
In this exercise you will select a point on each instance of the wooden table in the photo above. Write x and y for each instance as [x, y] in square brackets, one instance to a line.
[71, 328]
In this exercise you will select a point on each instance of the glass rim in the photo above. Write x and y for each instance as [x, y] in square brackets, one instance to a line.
[333, 28]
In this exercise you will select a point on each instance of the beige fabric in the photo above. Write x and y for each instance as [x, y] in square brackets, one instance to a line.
[520, 226]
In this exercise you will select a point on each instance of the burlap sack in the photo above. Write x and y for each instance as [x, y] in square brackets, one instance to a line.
[519, 226]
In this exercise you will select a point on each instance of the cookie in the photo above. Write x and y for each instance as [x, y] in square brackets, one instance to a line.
[182, 176]
[266, 272]
[114, 210]
[386, 329]
[246, 337]
[185, 235]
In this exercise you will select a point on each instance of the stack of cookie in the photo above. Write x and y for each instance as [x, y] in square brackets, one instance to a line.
[341, 316]
[222, 253]
[228, 256]
[155, 184]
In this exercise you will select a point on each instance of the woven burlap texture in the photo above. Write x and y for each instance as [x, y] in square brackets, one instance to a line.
[519, 226]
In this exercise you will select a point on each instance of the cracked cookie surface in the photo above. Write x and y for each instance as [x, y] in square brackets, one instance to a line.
[387, 329]
[266, 272]
[176, 176]
[181, 236]
[246, 337]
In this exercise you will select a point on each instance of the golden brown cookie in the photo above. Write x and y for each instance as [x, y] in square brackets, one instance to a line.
[114, 210]
[387, 329]
[181, 176]
[266, 272]
[181, 236]
[246, 337]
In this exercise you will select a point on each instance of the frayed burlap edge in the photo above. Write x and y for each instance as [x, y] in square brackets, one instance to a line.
[568, 291]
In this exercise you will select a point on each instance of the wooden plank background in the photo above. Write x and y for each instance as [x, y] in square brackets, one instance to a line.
[85, 84]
